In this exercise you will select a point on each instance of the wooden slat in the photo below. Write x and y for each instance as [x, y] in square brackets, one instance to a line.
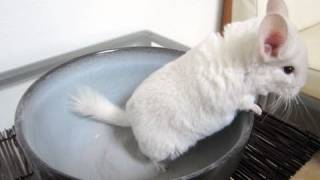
[226, 14]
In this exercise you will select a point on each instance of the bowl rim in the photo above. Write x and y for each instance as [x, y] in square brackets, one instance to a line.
[30, 154]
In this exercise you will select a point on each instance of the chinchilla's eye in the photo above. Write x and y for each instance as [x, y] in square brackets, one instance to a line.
[288, 69]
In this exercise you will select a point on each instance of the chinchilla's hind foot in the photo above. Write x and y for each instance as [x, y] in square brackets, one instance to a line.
[160, 167]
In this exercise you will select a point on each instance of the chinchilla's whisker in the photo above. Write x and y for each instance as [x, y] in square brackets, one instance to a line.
[308, 113]
[275, 105]
[286, 109]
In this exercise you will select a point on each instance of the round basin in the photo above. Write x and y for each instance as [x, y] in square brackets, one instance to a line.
[63, 145]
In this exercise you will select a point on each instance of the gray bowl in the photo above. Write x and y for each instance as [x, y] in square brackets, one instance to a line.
[63, 145]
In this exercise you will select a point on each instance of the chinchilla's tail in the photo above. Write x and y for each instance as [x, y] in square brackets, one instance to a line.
[90, 103]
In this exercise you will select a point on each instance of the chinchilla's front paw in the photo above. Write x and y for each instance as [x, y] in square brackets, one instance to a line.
[256, 109]
[247, 104]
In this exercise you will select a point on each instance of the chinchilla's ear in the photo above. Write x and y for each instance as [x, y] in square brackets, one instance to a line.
[273, 31]
[277, 7]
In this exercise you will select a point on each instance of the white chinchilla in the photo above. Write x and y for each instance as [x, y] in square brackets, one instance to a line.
[200, 93]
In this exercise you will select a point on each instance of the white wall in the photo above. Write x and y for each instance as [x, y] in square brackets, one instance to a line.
[244, 9]
[32, 30]
[303, 13]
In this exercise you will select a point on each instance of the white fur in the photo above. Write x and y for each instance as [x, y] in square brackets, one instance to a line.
[200, 93]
